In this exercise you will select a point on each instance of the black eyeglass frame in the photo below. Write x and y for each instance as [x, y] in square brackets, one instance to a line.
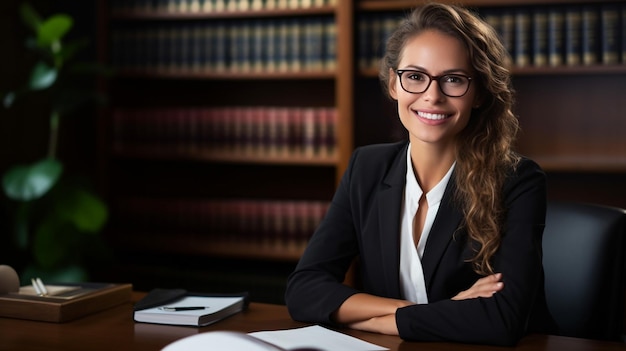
[399, 72]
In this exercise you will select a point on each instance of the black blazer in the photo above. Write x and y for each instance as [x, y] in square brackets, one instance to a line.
[363, 221]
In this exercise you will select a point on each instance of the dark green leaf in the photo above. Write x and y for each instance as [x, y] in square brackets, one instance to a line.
[53, 242]
[70, 49]
[42, 76]
[53, 29]
[84, 210]
[25, 183]
[30, 17]
[22, 226]
[9, 99]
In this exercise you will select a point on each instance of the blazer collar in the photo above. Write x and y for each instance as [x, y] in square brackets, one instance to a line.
[442, 231]
[389, 214]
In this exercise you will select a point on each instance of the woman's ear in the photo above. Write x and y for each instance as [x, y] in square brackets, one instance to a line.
[392, 84]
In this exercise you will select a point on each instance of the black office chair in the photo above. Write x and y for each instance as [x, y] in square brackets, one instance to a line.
[584, 262]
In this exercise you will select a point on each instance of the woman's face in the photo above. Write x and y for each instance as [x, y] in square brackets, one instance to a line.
[431, 117]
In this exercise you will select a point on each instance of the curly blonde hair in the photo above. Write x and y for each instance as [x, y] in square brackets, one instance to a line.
[485, 147]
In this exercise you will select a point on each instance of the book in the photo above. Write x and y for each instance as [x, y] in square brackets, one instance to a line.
[610, 33]
[306, 338]
[179, 307]
[64, 302]
[540, 37]
[522, 38]
[573, 36]
[590, 34]
[556, 20]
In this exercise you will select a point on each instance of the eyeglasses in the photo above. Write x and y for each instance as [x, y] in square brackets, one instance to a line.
[417, 82]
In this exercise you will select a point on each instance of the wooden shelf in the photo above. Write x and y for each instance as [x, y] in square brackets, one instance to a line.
[193, 245]
[586, 163]
[226, 75]
[177, 16]
[154, 153]
[394, 5]
[570, 70]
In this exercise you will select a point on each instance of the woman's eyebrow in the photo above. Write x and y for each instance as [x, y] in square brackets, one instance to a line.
[448, 71]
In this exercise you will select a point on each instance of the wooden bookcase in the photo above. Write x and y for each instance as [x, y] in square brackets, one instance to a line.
[572, 119]
[245, 202]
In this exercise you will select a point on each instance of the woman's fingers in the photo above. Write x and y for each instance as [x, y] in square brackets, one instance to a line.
[484, 287]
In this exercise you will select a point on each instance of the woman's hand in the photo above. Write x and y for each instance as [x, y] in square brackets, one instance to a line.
[370, 313]
[384, 324]
[484, 287]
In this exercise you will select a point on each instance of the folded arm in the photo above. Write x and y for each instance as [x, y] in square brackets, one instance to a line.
[377, 314]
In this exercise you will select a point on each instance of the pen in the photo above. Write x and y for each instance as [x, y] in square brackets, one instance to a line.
[182, 308]
[40, 289]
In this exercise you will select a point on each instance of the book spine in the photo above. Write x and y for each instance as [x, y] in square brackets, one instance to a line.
[221, 47]
[573, 34]
[294, 47]
[623, 32]
[258, 46]
[522, 37]
[508, 31]
[330, 41]
[590, 35]
[283, 45]
[610, 19]
[555, 36]
[364, 40]
[540, 37]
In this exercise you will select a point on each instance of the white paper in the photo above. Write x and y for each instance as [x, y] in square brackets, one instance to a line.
[317, 337]
[219, 341]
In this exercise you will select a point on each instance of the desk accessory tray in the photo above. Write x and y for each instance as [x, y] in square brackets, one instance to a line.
[71, 301]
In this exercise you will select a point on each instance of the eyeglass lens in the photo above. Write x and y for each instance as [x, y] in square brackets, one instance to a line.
[416, 82]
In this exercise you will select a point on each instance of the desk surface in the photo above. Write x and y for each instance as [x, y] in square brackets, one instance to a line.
[114, 329]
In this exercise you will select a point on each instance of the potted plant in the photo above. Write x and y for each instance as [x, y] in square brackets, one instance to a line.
[56, 220]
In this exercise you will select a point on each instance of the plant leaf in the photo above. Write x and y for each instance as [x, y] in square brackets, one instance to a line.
[9, 99]
[85, 211]
[53, 29]
[30, 17]
[42, 76]
[25, 183]
[53, 242]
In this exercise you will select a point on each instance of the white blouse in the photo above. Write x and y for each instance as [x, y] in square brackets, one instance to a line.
[411, 274]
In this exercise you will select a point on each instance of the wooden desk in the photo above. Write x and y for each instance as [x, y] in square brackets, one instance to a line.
[114, 329]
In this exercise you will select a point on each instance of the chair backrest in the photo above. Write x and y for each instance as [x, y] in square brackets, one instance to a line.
[584, 261]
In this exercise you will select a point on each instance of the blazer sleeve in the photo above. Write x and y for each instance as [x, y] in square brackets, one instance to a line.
[501, 319]
[315, 290]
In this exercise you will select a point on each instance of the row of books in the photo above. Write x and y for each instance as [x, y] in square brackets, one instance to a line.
[563, 35]
[225, 220]
[260, 131]
[199, 6]
[251, 45]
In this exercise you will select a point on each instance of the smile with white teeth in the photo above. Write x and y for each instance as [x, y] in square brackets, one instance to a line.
[432, 116]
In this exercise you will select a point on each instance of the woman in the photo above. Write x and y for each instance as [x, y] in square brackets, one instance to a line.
[446, 228]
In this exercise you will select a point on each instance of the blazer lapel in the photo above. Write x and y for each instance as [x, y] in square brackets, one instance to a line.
[441, 233]
[390, 206]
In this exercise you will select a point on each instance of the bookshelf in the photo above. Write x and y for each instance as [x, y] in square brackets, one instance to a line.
[228, 129]
[160, 174]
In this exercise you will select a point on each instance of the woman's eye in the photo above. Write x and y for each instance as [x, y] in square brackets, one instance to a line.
[416, 76]
[453, 79]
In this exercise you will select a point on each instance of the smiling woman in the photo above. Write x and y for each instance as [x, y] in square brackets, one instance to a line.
[447, 226]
